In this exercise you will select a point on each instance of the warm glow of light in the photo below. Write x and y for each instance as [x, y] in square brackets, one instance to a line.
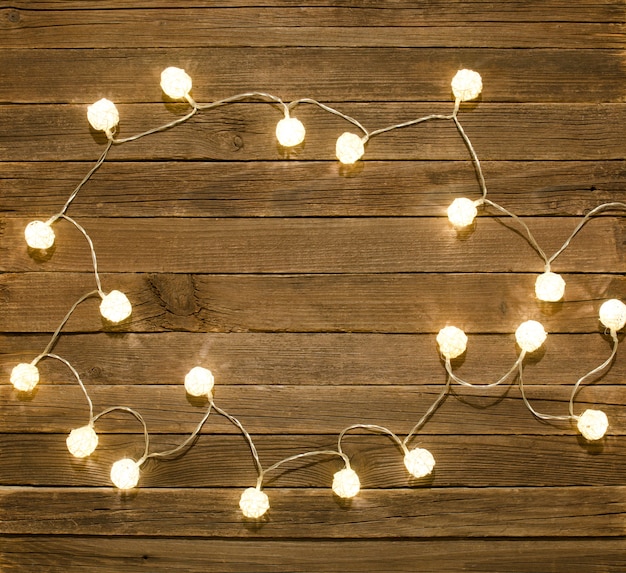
[593, 424]
[115, 306]
[461, 212]
[175, 82]
[254, 503]
[103, 115]
[420, 462]
[530, 335]
[39, 235]
[549, 287]
[290, 132]
[613, 314]
[199, 381]
[125, 473]
[346, 483]
[24, 377]
[466, 85]
[452, 341]
[349, 148]
[82, 441]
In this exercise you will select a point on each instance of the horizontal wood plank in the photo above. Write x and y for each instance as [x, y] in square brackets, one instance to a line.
[320, 245]
[393, 303]
[310, 410]
[411, 513]
[303, 359]
[24, 554]
[434, 11]
[288, 26]
[246, 132]
[462, 461]
[383, 74]
[303, 188]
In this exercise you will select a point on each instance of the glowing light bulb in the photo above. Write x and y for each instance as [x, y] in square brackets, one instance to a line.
[452, 341]
[549, 287]
[103, 115]
[290, 132]
[254, 503]
[530, 335]
[346, 483]
[82, 441]
[349, 148]
[466, 85]
[24, 377]
[175, 82]
[39, 235]
[613, 314]
[125, 473]
[199, 381]
[420, 462]
[115, 306]
[593, 424]
[461, 212]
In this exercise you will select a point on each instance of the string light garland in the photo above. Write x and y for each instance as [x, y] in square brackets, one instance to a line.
[199, 382]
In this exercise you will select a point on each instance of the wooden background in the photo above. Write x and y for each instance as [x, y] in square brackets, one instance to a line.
[313, 292]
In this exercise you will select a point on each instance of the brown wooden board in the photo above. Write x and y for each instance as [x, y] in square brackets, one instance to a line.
[304, 188]
[24, 554]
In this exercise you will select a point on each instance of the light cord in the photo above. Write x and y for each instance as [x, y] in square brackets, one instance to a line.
[520, 379]
[57, 332]
[77, 376]
[263, 473]
[593, 372]
[238, 424]
[448, 366]
[433, 407]
[139, 417]
[94, 259]
[187, 441]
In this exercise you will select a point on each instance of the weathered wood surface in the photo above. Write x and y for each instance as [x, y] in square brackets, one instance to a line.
[383, 514]
[480, 461]
[245, 132]
[392, 303]
[545, 75]
[321, 245]
[302, 188]
[305, 359]
[62, 554]
[313, 409]
[313, 292]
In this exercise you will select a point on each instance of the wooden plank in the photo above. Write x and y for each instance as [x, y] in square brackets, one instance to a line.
[462, 461]
[382, 74]
[288, 26]
[303, 359]
[434, 11]
[413, 514]
[245, 132]
[24, 554]
[392, 303]
[295, 188]
[447, 556]
[319, 245]
[314, 410]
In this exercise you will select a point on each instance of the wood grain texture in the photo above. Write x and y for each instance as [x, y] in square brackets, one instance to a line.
[70, 555]
[462, 461]
[321, 245]
[303, 188]
[393, 303]
[289, 26]
[304, 359]
[410, 513]
[311, 409]
[245, 132]
[341, 74]
[313, 292]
